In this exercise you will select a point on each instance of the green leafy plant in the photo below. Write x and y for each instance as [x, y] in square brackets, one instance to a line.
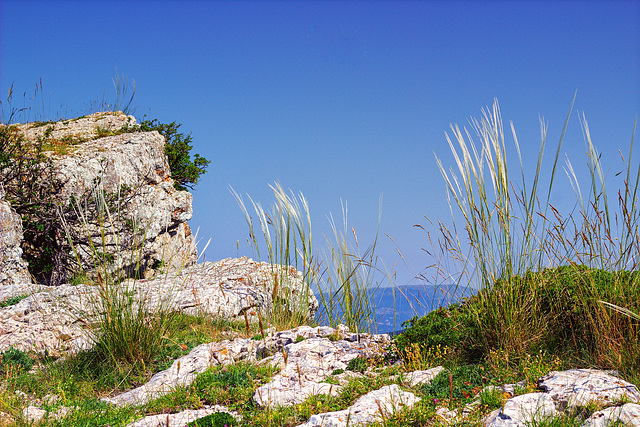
[439, 328]
[16, 358]
[217, 419]
[232, 384]
[462, 382]
[185, 171]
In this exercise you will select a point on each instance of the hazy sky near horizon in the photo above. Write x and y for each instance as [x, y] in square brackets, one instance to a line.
[339, 100]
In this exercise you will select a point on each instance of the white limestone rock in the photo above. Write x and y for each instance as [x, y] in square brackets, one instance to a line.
[56, 318]
[523, 410]
[578, 387]
[150, 202]
[13, 269]
[231, 287]
[420, 377]
[627, 414]
[180, 419]
[306, 364]
[372, 407]
[181, 373]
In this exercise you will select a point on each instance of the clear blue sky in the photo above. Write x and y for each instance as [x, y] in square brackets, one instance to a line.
[337, 99]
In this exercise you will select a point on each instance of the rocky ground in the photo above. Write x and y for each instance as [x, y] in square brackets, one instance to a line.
[307, 357]
[51, 319]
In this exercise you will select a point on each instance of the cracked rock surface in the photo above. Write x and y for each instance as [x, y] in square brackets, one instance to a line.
[56, 318]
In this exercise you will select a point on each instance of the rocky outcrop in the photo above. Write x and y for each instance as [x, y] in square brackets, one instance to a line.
[373, 407]
[13, 269]
[564, 391]
[117, 196]
[56, 319]
[185, 369]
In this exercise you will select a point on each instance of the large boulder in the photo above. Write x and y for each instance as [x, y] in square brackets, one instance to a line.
[58, 319]
[13, 269]
[116, 193]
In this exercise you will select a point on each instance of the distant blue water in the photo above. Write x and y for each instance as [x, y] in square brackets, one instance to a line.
[409, 301]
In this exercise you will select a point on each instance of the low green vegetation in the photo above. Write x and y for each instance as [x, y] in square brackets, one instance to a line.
[12, 300]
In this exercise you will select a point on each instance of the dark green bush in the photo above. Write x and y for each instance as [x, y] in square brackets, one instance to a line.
[185, 171]
[217, 419]
[559, 311]
[27, 176]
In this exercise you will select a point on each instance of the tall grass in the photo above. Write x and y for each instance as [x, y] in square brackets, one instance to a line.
[343, 278]
[538, 270]
[349, 285]
[127, 328]
[286, 230]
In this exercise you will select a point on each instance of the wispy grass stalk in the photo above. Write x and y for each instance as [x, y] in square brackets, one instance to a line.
[286, 230]
[344, 280]
[513, 241]
[347, 294]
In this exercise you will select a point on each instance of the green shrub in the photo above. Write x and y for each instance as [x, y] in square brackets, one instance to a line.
[359, 364]
[231, 385]
[185, 171]
[27, 177]
[567, 297]
[217, 419]
[439, 328]
[16, 358]
[467, 382]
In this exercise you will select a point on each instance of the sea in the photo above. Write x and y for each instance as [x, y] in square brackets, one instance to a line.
[396, 305]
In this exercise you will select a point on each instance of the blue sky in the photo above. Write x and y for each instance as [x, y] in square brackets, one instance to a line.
[339, 100]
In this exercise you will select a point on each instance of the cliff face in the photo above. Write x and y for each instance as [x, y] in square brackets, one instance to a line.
[13, 269]
[115, 195]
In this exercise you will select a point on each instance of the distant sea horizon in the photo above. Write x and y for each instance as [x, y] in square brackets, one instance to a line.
[396, 305]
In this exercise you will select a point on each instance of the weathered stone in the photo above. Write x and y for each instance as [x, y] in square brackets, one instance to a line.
[180, 419]
[306, 364]
[627, 414]
[523, 410]
[80, 129]
[6, 420]
[51, 319]
[13, 269]
[149, 229]
[185, 369]
[579, 387]
[56, 318]
[233, 287]
[373, 407]
[33, 414]
[181, 373]
[420, 377]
